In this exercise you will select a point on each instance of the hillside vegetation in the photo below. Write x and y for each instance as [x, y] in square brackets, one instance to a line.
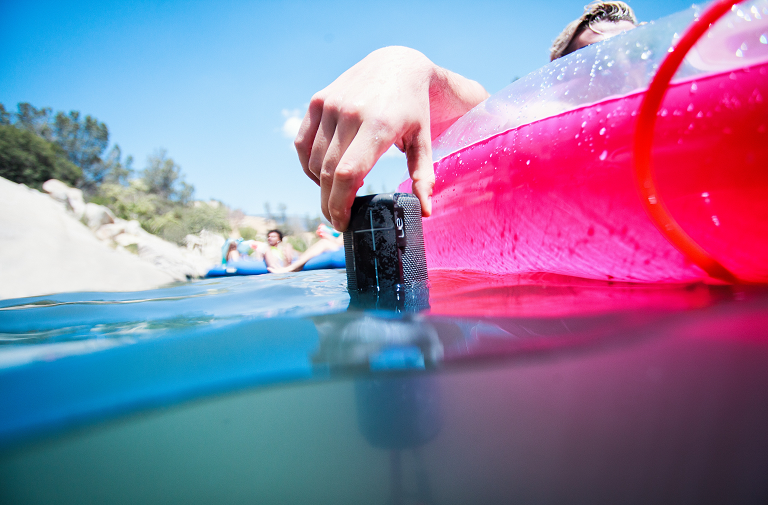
[38, 144]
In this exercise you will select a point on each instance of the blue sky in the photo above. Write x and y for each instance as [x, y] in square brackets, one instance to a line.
[218, 83]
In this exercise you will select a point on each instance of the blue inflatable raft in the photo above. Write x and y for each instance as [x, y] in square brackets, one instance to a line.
[331, 259]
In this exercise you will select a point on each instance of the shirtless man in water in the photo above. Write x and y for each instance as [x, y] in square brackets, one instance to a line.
[396, 95]
[330, 240]
[279, 254]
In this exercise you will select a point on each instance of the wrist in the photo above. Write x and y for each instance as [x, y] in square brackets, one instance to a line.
[450, 97]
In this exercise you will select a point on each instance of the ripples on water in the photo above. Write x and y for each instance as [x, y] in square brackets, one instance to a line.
[534, 387]
[81, 322]
[177, 310]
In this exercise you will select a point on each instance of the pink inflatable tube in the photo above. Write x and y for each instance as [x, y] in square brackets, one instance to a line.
[547, 176]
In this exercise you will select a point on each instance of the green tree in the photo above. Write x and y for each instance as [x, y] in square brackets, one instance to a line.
[26, 158]
[36, 145]
[163, 178]
[5, 116]
[34, 120]
[205, 217]
[179, 222]
[84, 140]
[129, 202]
[117, 172]
[169, 226]
[248, 233]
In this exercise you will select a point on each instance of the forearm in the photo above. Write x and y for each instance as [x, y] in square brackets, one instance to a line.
[288, 253]
[450, 97]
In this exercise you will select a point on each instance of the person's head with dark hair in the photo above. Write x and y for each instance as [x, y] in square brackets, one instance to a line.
[600, 21]
[274, 237]
[232, 253]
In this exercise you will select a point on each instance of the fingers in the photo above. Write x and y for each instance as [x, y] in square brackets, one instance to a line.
[346, 130]
[358, 159]
[307, 133]
[320, 146]
[418, 153]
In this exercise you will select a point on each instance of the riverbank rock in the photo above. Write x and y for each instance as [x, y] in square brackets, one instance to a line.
[57, 243]
[45, 248]
[72, 198]
[207, 244]
[96, 216]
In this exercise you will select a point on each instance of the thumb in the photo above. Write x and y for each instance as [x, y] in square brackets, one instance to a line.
[418, 153]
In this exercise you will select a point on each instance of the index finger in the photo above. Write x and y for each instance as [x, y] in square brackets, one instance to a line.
[418, 153]
[306, 136]
[358, 160]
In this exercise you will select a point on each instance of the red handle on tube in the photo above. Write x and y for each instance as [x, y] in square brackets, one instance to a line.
[646, 122]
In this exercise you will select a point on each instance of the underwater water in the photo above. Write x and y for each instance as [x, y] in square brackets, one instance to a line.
[277, 389]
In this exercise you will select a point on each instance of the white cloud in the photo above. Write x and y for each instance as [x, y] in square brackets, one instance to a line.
[292, 122]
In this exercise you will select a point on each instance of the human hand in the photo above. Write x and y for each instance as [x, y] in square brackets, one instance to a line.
[381, 101]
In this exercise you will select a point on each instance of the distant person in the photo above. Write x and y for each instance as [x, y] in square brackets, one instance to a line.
[396, 95]
[330, 241]
[232, 253]
[279, 254]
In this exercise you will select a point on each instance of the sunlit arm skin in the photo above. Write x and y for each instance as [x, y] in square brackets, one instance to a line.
[395, 95]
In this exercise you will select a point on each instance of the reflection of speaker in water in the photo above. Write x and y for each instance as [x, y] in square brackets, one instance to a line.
[378, 330]
[382, 330]
[397, 413]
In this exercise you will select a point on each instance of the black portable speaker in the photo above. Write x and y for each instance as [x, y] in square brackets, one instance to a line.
[384, 244]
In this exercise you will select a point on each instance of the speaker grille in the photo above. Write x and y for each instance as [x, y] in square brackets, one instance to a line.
[349, 255]
[414, 259]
